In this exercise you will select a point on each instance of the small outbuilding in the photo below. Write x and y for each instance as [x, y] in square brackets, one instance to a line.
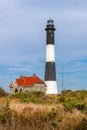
[27, 84]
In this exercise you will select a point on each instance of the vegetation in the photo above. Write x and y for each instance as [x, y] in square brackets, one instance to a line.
[3, 92]
[36, 111]
[71, 100]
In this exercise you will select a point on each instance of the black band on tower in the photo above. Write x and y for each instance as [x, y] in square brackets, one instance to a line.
[50, 74]
[50, 37]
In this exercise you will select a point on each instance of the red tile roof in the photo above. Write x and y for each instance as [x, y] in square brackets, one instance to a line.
[25, 81]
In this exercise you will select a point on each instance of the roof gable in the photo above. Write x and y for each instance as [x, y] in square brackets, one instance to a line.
[14, 83]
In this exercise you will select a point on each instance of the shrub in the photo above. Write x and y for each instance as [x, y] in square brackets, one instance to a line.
[80, 106]
[72, 100]
[52, 113]
[54, 124]
[62, 99]
[27, 97]
[5, 112]
[68, 105]
[3, 92]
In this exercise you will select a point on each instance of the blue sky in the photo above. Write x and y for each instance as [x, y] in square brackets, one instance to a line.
[23, 40]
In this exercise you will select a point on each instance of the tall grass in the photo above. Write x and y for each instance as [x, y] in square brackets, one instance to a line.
[29, 111]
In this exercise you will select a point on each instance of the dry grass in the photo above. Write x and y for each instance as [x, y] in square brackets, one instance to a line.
[3, 101]
[21, 107]
[71, 120]
[17, 115]
[53, 117]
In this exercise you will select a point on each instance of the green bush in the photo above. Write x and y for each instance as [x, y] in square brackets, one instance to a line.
[27, 97]
[71, 100]
[80, 105]
[70, 105]
[62, 99]
[3, 92]
[54, 124]
[5, 112]
[52, 113]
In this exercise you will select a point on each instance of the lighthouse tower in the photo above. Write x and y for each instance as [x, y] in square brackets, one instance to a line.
[50, 69]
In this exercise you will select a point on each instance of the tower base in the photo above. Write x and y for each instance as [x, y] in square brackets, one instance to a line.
[51, 87]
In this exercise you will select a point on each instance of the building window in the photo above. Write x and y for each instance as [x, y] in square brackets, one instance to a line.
[16, 90]
[21, 90]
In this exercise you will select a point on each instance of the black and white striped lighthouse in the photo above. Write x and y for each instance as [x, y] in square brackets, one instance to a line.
[50, 69]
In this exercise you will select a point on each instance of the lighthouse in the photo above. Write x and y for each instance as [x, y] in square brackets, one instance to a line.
[50, 67]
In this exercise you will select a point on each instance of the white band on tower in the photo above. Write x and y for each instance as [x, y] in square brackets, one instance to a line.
[50, 53]
[51, 87]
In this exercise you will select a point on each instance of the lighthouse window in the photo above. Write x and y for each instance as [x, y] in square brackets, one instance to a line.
[49, 31]
[51, 35]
